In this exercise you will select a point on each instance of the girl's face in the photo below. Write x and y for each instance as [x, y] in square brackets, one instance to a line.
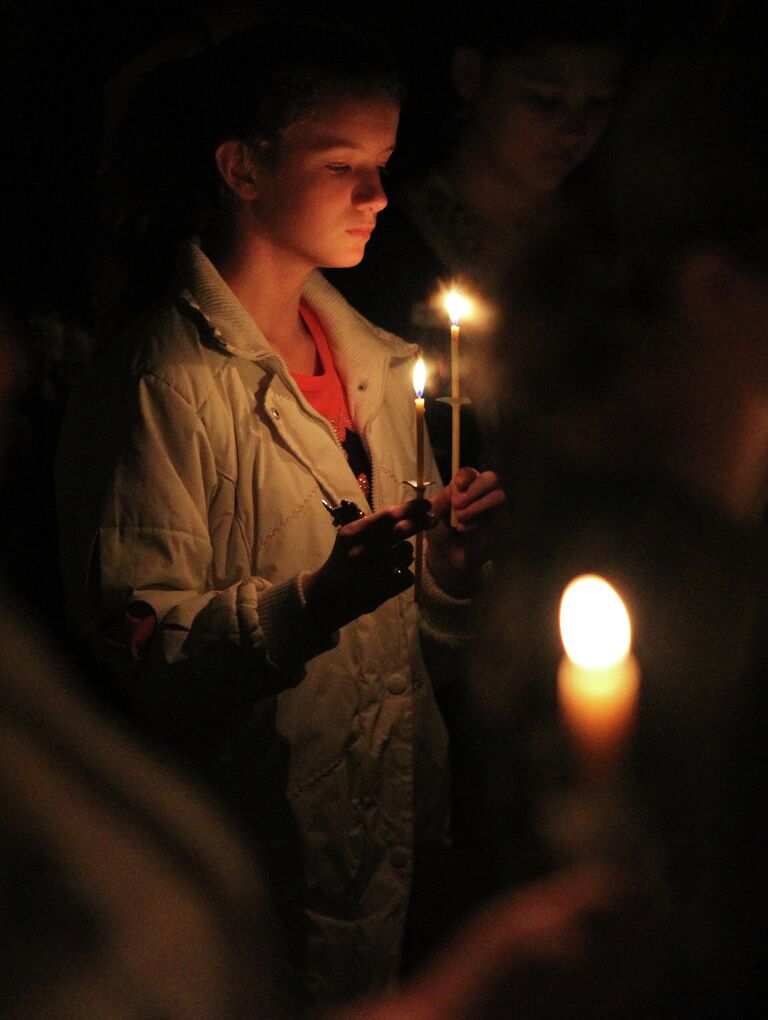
[536, 118]
[318, 198]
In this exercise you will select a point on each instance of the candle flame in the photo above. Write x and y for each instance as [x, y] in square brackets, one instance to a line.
[457, 306]
[419, 377]
[594, 623]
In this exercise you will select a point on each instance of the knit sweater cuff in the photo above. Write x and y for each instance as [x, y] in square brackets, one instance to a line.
[446, 619]
[291, 635]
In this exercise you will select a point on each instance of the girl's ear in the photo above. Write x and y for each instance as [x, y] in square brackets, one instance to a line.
[467, 72]
[236, 166]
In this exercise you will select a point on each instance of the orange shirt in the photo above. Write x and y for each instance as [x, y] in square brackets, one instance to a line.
[325, 393]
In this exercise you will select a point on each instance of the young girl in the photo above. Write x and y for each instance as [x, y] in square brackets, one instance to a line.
[198, 556]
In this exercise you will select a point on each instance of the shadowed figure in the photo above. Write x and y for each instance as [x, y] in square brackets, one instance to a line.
[634, 433]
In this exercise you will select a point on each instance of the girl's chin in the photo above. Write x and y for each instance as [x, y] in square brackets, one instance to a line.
[353, 258]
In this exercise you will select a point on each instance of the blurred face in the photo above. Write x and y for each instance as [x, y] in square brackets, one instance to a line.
[319, 197]
[537, 117]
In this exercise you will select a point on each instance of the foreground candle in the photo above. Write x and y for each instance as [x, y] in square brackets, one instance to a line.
[598, 679]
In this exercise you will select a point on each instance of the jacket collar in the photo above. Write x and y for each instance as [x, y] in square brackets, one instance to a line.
[357, 345]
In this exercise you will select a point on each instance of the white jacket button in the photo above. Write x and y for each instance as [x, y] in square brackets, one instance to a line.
[275, 413]
[397, 683]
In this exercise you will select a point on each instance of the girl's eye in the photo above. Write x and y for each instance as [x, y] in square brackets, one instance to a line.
[338, 168]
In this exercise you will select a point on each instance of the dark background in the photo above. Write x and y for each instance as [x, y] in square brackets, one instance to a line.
[56, 63]
[57, 59]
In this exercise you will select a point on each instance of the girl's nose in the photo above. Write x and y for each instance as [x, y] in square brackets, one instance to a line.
[369, 192]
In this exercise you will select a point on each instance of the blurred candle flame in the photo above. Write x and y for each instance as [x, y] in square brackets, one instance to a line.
[598, 678]
[594, 623]
[419, 377]
[457, 306]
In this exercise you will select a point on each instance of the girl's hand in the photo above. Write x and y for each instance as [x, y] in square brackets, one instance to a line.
[455, 555]
[368, 564]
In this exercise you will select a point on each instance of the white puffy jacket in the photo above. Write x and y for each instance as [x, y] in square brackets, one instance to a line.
[191, 474]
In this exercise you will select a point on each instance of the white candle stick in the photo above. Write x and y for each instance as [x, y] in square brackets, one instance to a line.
[456, 306]
[455, 409]
[419, 380]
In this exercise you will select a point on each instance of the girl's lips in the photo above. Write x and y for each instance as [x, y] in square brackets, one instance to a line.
[360, 231]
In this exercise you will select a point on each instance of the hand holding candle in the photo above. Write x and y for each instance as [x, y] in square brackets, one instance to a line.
[598, 678]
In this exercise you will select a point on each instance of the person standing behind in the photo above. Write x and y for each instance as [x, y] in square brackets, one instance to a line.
[282, 657]
[535, 88]
[636, 393]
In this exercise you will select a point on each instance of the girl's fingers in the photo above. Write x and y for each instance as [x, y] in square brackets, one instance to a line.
[480, 486]
[464, 478]
[479, 508]
[400, 555]
[391, 525]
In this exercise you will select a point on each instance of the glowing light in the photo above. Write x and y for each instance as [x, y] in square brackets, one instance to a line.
[598, 678]
[457, 306]
[419, 377]
[594, 623]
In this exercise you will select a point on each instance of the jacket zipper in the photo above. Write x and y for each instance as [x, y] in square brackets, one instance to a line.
[367, 434]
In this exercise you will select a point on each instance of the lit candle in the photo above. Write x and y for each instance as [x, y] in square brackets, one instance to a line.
[598, 679]
[456, 306]
[419, 380]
